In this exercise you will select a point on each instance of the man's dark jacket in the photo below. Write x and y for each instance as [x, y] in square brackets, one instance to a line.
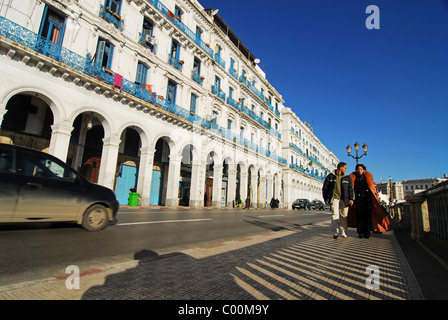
[346, 189]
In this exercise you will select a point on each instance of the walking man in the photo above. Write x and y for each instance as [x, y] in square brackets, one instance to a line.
[338, 192]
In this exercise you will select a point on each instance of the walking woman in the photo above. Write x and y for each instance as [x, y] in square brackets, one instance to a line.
[367, 214]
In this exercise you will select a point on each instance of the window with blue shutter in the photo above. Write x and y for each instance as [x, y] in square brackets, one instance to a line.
[142, 73]
[193, 102]
[171, 92]
[175, 50]
[104, 54]
[53, 26]
[198, 33]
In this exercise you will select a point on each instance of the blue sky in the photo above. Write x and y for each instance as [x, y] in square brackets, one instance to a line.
[387, 88]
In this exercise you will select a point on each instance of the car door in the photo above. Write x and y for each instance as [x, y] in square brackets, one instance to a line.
[9, 186]
[48, 189]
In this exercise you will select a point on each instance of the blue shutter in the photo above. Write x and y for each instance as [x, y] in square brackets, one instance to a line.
[100, 52]
[139, 73]
[110, 57]
[193, 103]
[142, 72]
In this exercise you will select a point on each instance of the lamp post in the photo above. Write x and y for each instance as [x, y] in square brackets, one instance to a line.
[391, 192]
[349, 150]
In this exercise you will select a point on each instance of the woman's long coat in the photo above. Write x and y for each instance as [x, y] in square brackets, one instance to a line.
[380, 222]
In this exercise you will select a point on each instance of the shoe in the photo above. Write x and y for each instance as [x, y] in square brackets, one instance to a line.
[335, 236]
[343, 233]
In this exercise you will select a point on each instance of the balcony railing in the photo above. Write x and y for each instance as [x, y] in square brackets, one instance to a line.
[86, 65]
[151, 45]
[196, 77]
[219, 60]
[175, 63]
[111, 17]
[233, 103]
[193, 36]
[217, 91]
[313, 174]
[233, 73]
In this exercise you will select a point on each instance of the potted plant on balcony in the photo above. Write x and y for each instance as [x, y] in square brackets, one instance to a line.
[181, 62]
[116, 15]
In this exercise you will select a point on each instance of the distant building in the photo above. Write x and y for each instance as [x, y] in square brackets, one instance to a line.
[397, 190]
[420, 184]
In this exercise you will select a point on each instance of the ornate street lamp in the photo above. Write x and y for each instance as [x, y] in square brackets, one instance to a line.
[364, 148]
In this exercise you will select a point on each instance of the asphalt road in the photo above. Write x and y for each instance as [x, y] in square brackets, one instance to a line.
[36, 251]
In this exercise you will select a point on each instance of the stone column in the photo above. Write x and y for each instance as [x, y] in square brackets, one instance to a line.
[270, 189]
[253, 190]
[278, 186]
[217, 185]
[262, 203]
[231, 185]
[60, 139]
[172, 191]
[109, 158]
[197, 184]
[243, 187]
[145, 174]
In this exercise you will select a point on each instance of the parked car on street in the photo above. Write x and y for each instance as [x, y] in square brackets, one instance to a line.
[38, 187]
[301, 204]
[318, 205]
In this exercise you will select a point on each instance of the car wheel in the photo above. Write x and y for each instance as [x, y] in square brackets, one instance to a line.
[95, 218]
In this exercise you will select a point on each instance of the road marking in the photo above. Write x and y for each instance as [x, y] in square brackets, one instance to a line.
[166, 221]
[273, 215]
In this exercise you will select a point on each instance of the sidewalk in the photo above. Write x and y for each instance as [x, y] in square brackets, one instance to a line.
[303, 263]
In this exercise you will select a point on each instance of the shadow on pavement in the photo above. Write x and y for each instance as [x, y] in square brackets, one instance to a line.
[307, 265]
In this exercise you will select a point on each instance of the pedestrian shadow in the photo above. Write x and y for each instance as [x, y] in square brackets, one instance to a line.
[307, 265]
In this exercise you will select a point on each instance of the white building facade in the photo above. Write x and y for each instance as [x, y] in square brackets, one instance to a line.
[415, 185]
[160, 98]
[309, 161]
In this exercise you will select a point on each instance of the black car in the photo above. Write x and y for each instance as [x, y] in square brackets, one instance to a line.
[301, 204]
[318, 205]
[38, 187]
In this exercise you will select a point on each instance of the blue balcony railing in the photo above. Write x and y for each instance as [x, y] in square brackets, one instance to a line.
[233, 103]
[111, 17]
[196, 77]
[175, 63]
[244, 80]
[233, 73]
[165, 11]
[217, 91]
[151, 45]
[219, 60]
